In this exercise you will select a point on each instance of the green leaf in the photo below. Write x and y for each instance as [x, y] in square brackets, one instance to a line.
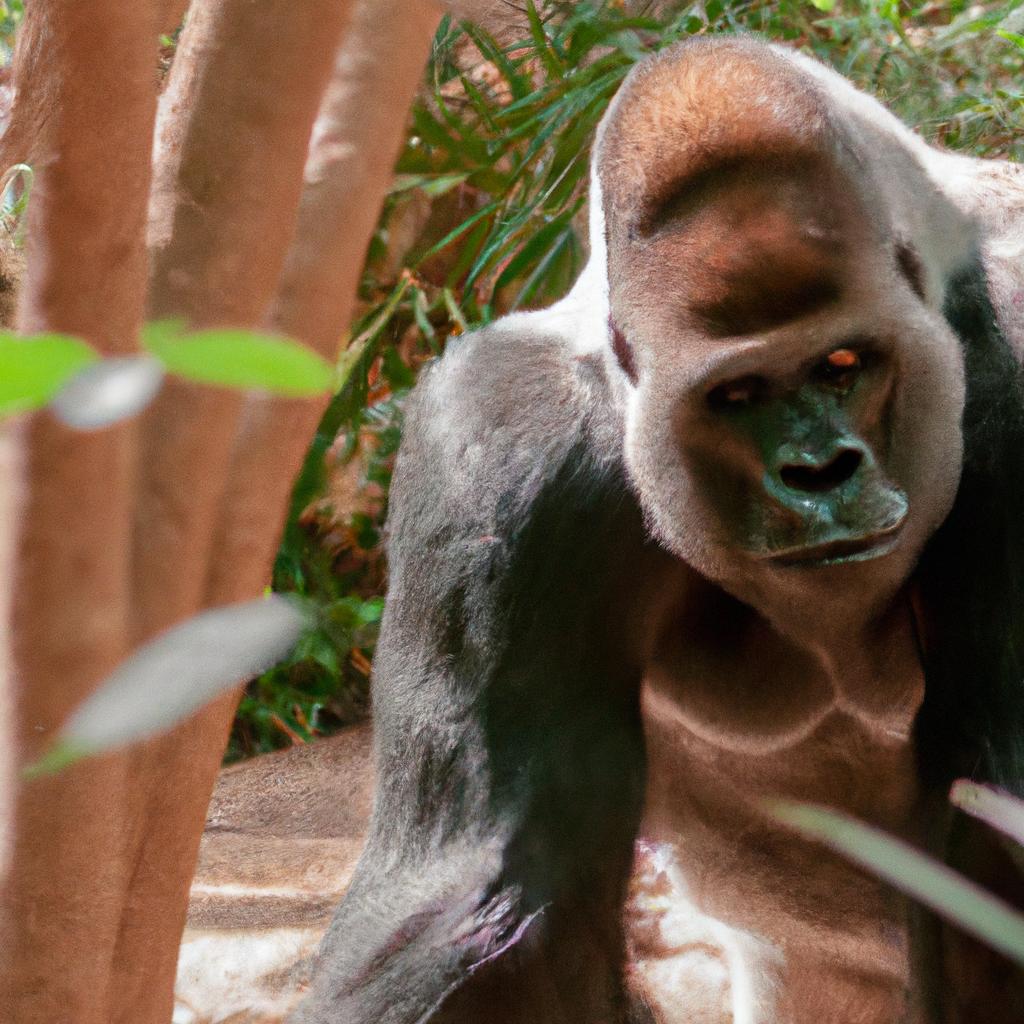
[518, 83]
[824, 5]
[365, 340]
[432, 184]
[58, 757]
[484, 211]
[532, 252]
[452, 305]
[398, 375]
[545, 50]
[33, 370]
[240, 359]
[541, 271]
[1013, 37]
[371, 610]
[419, 311]
[12, 204]
[960, 900]
[432, 132]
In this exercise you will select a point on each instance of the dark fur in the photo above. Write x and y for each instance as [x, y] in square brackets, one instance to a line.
[972, 591]
[505, 704]
[972, 573]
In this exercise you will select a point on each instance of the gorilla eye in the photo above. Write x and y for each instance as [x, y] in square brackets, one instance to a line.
[840, 368]
[735, 394]
[843, 359]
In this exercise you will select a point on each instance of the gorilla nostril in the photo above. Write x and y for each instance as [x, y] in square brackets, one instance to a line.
[822, 478]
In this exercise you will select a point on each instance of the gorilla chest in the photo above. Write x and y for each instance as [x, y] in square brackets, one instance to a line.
[731, 918]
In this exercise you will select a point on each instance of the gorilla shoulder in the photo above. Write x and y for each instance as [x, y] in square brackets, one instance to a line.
[506, 401]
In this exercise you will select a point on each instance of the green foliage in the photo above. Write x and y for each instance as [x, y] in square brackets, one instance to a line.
[239, 359]
[11, 14]
[33, 370]
[15, 189]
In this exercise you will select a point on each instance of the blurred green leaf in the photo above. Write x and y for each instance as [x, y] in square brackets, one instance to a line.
[240, 359]
[108, 391]
[57, 758]
[176, 673]
[33, 370]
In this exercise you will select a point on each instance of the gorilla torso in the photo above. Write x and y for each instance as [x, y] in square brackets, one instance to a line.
[730, 918]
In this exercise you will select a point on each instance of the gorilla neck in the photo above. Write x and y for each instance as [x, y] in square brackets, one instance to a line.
[831, 610]
[785, 679]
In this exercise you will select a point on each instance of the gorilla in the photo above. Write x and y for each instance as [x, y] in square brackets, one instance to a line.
[740, 518]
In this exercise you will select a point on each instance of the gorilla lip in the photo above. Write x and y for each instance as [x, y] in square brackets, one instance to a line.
[837, 552]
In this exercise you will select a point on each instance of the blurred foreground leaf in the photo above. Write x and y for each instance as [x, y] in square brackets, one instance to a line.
[175, 674]
[240, 359]
[993, 806]
[33, 370]
[956, 898]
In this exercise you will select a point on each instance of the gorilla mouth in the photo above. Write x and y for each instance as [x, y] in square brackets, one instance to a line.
[838, 552]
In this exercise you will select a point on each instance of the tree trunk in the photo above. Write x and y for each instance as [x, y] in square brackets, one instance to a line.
[356, 139]
[84, 115]
[169, 14]
[233, 134]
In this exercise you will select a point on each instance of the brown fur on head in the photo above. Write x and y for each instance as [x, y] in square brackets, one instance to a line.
[746, 240]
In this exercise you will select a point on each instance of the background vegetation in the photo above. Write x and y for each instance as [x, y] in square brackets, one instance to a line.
[486, 216]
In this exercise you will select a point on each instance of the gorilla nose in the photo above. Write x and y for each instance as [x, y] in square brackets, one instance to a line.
[815, 478]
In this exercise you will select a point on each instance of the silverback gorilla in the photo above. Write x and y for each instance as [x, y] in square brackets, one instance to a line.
[739, 518]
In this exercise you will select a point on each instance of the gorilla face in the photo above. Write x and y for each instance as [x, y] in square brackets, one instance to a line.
[796, 393]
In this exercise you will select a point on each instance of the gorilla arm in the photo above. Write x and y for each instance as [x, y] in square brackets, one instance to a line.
[509, 747]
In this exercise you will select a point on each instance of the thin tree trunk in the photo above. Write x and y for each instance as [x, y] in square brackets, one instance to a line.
[84, 116]
[356, 140]
[235, 123]
[234, 128]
